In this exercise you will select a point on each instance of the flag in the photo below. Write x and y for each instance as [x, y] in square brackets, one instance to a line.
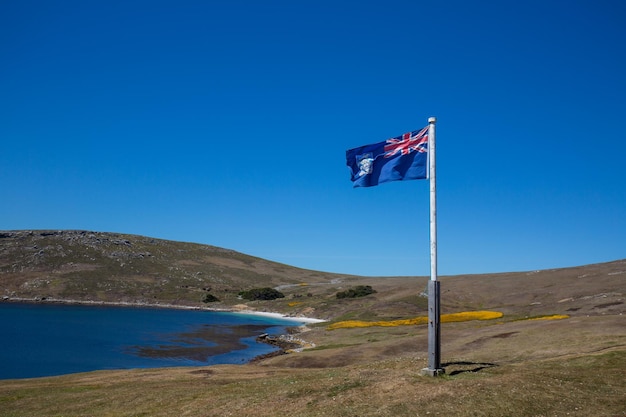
[398, 159]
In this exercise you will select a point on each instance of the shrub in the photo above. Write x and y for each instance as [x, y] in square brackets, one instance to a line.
[209, 298]
[445, 318]
[358, 291]
[261, 294]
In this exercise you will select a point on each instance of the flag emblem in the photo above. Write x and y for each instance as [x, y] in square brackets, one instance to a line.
[366, 163]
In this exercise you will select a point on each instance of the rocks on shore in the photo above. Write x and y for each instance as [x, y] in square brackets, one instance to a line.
[286, 344]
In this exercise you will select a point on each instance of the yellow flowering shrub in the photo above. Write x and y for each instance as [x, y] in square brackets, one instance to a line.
[471, 315]
[294, 303]
[552, 317]
[445, 318]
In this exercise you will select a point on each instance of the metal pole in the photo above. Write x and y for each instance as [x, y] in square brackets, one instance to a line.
[433, 198]
[434, 313]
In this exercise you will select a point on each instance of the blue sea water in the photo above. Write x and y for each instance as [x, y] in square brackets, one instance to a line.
[53, 339]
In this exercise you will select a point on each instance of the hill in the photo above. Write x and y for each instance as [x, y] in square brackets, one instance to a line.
[112, 267]
[559, 347]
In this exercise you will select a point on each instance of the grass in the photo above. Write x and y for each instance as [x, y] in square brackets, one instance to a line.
[390, 387]
[530, 362]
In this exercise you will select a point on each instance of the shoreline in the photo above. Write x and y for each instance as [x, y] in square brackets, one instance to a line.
[306, 320]
[286, 343]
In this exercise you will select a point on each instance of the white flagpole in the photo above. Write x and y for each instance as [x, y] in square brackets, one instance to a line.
[434, 312]
[433, 198]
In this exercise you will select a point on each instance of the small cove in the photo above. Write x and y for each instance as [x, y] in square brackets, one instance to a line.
[41, 339]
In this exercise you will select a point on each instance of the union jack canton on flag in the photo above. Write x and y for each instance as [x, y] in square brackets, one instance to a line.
[398, 159]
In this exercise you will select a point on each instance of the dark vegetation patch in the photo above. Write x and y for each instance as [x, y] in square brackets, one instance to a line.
[261, 294]
[358, 291]
[209, 298]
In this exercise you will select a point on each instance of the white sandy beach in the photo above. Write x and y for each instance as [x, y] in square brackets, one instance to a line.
[238, 309]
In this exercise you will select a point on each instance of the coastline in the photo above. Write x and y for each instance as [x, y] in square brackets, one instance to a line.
[308, 320]
[245, 310]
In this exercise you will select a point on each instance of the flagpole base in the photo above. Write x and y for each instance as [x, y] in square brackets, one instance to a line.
[432, 372]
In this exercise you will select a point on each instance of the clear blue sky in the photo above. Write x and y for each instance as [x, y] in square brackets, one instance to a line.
[227, 122]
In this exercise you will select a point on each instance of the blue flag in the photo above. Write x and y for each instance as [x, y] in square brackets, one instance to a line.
[401, 158]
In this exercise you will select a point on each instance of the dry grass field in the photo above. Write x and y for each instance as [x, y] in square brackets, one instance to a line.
[558, 349]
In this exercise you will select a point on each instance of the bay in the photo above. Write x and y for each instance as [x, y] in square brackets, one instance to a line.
[53, 339]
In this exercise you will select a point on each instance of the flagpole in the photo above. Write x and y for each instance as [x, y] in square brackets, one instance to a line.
[434, 312]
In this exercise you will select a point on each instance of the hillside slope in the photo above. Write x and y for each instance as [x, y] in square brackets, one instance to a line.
[112, 267]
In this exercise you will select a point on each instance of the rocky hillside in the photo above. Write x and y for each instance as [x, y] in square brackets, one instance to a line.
[112, 267]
